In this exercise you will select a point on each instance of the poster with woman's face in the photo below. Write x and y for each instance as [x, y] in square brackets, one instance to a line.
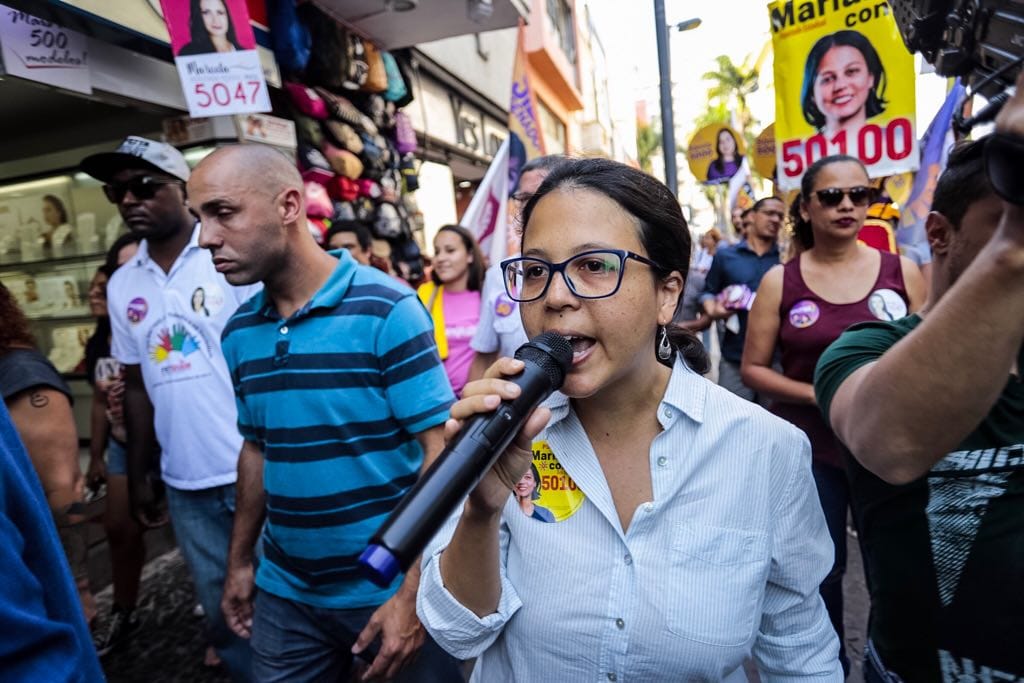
[844, 84]
[215, 54]
[715, 154]
[204, 26]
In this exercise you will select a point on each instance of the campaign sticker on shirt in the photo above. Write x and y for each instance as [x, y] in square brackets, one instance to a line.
[207, 300]
[137, 310]
[503, 306]
[737, 298]
[546, 492]
[885, 304]
[804, 314]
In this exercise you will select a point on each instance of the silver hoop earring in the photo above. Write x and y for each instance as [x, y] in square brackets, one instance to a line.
[664, 345]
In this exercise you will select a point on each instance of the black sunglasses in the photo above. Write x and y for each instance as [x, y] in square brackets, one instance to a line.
[833, 196]
[142, 188]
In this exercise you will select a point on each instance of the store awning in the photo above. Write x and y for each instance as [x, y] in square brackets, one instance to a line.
[425, 21]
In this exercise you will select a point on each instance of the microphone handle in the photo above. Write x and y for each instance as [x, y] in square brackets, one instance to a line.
[457, 471]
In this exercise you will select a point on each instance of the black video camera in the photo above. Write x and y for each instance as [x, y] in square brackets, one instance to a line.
[981, 41]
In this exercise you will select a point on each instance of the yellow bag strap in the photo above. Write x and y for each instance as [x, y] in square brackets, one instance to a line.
[432, 297]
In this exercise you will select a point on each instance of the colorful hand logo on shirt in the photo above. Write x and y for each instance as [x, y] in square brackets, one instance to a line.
[177, 339]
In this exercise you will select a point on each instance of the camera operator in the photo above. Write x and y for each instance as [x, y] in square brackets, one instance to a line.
[932, 409]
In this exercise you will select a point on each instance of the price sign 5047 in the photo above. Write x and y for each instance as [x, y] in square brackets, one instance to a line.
[219, 84]
[221, 94]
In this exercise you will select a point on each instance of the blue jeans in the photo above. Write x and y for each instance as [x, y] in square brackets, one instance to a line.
[202, 524]
[834, 494]
[117, 458]
[292, 641]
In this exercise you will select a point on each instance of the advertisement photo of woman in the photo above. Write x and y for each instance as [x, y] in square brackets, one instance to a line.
[727, 158]
[527, 491]
[211, 29]
[844, 83]
[56, 230]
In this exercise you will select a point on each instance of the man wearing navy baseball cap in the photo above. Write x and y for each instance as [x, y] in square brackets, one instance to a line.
[167, 307]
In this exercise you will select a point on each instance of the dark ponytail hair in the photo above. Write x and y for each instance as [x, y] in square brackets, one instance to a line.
[802, 229]
[662, 227]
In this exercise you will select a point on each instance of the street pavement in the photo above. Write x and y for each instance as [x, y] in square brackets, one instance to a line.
[169, 645]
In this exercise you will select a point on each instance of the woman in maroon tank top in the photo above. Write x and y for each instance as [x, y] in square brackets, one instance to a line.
[803, 306]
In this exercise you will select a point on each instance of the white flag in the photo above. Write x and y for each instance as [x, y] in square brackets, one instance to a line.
[487, 215]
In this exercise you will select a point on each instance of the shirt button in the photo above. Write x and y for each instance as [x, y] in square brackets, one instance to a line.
[667, 412]
[628, 559]
[648, 507]
[284, 329]
[612, 677]
[620, 623]
[662, 460]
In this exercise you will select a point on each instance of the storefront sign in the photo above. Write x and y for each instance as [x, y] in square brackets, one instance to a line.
[465, 126]
[43, 51]
[472, 130]
[216, 57]
[844, 84]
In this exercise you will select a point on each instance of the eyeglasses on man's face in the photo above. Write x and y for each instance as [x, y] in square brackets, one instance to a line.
[142, 188]
[593, 274]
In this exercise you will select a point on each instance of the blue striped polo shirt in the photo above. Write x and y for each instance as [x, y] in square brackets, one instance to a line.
[334, 396]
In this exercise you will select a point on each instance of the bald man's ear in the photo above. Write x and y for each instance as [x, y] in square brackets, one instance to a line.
[291, 206]
[939, 231]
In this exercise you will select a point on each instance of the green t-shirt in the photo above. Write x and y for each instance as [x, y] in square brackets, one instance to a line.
[944, 555]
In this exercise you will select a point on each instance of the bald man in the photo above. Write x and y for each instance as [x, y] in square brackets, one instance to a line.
[341, 399]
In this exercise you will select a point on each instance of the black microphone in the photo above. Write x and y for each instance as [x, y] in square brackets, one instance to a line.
[464, 462]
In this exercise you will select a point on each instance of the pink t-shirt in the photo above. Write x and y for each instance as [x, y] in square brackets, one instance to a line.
[461, 315]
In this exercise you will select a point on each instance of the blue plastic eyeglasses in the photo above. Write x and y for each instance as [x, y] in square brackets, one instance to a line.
[593, 274]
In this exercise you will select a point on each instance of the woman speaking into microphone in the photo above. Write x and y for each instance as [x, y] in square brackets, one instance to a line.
[686, 533]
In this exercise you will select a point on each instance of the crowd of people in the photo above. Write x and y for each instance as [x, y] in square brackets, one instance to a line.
[274, 399]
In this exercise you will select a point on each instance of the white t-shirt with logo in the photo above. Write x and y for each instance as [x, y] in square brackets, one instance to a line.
[500, 328]
[170, 325]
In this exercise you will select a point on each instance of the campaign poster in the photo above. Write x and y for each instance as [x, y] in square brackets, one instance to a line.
[715, 154]
[844, 84]
[215, 52]
[763, 158]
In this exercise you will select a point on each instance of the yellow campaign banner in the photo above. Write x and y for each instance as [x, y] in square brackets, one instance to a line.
[715, 154]
[844, 84]
[764, 153]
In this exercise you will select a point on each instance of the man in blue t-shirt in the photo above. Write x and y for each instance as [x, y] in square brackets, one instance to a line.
[44, 633]
[733, 279]
[342, 399]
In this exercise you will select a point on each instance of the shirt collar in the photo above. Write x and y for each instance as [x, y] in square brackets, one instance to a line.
[742, 244]
[686, 392]
[142, 254]
[328, 296]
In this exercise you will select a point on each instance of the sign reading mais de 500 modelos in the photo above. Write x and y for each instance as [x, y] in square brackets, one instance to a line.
[844, 84]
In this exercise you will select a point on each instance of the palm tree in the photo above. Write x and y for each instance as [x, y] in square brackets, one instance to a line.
[648, 141]
[731, 85]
